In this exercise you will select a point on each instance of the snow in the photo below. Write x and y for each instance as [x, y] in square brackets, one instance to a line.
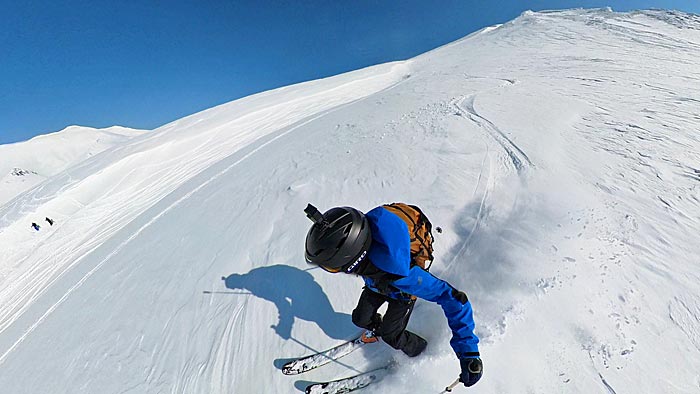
[558, 151]
[24, 165]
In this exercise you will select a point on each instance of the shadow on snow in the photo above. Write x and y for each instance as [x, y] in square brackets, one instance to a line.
[296, 295]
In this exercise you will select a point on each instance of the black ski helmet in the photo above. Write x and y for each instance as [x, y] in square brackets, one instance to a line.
[338, 240]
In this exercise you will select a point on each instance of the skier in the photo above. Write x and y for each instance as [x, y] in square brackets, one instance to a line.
[377, 247]
[48, 219]
[35, 226]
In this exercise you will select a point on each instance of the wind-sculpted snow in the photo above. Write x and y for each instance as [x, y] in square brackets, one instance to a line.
[559, 152]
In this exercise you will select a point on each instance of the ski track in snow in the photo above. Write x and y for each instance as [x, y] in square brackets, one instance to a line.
[686, 315]
[520, 161]
[607, 386]
[482, 203]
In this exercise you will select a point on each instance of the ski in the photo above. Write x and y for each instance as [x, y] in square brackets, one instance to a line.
[349, 384]
[313, 361]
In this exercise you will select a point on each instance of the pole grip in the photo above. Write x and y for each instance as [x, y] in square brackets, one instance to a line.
[454, 384]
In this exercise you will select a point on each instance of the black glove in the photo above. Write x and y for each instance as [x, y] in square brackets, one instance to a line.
[472, 369]
[460, 296]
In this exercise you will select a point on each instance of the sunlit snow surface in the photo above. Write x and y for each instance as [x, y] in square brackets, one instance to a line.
[559, 153]
[25, 164]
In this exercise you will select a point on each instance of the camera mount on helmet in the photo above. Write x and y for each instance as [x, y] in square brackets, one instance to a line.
[339, 239]
[315, 215]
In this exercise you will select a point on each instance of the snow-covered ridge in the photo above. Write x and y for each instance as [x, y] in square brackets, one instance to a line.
[635, 19]
[559, 153]
[47, 155]
[52, 153]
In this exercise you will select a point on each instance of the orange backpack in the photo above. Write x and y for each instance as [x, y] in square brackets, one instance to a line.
[420, 230]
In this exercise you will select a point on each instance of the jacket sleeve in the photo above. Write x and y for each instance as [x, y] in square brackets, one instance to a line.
[421, 283]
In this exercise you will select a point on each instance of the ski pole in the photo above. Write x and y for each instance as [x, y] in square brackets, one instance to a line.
[449, 388]
[226, 292]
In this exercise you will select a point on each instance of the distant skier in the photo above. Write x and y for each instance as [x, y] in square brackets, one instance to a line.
[389, 247]
[49, 220]
[36, 226]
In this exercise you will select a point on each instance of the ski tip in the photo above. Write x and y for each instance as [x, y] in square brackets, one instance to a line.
[315, 387]
[288, 369]
[289, 372]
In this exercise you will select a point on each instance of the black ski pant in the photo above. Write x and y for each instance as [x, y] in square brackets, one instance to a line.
[391, 328]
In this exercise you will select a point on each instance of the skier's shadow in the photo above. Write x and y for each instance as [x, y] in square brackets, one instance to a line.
[296, 295]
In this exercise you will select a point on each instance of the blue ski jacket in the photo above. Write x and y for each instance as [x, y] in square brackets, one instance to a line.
[391, 252]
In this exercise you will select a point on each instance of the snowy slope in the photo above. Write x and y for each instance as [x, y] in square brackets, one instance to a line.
[24, 165]
[559, 152]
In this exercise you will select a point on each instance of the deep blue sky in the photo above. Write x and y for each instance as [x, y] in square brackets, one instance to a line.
[144, 63]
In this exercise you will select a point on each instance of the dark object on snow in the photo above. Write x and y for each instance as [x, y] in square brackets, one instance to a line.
[48, 219]
[20, 172]
[35, 226]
